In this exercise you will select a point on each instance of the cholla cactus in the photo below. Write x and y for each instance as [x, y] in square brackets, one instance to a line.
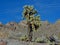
[32, 20]
[23, 38]
[40, 40]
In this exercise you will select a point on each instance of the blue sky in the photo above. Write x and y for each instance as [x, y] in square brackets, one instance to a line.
[11, 10]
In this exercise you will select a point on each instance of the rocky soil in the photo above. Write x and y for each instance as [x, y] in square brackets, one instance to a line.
[12, 32]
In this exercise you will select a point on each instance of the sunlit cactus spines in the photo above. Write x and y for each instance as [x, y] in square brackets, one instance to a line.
[28, 7]
[23, 38]
[28, 11]
[33, 20]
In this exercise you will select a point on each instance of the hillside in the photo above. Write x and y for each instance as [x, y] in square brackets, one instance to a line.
[17, 31]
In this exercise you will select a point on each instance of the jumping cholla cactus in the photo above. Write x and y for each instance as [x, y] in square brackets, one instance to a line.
[33, 21]
[24, 38]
